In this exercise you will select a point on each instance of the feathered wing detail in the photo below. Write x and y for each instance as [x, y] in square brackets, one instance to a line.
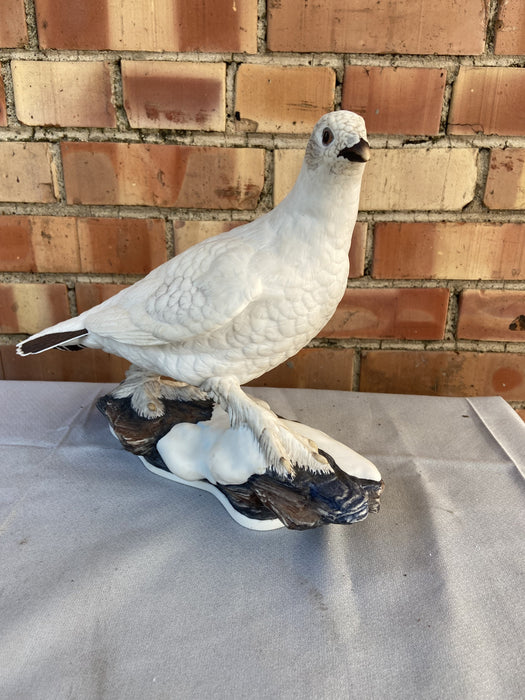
[189, 296]
[195, 293]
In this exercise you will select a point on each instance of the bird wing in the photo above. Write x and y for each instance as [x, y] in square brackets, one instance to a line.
[194, 294]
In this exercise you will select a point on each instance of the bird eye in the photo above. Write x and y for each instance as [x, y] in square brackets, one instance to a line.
[328, 137]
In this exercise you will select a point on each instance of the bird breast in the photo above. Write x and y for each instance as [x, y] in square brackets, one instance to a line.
[283, 319]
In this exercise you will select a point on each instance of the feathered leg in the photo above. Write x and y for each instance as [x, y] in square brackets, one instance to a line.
[147, 390]
[282, 448]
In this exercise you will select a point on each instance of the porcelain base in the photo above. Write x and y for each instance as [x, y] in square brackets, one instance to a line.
[192, 444]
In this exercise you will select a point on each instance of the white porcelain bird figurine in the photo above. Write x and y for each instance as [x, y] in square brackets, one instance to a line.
[236, 305]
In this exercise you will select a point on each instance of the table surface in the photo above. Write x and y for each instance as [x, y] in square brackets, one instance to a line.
[116, 583]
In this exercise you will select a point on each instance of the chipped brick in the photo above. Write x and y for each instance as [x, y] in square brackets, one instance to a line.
[492, 314]
[488, 100]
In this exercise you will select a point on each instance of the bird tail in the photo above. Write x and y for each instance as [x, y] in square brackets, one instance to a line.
[64, 336]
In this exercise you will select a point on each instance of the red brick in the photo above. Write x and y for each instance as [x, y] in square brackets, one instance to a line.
[121, 246]
[488, 101]
[175, 95]
[395, 100]
[492, 314]
[312, 368]
[87, 366]
[162, 175]
[287, 165]
[27, 308]
[38, 244]
[449, 251]
[416, 179]
[400, 178]
[358, 250]
[63, 93]
[288, 99]
[16, 252]
[67, 244]
[13, 31]
[407, 314]
[505, 188]
[510, 28]
[188, 233]
[3, 108]
[25, 173]
[444, 373]
[361, 26]
[148, 25]
[521, 413]
[89, 295]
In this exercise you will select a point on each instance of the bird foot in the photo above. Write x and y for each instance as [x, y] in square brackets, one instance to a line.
[147, 391]
[283, 448]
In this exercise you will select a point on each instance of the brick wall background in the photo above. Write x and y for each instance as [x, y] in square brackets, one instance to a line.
[130, 129]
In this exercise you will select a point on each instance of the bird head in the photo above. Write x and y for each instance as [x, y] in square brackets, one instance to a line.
[338, 144]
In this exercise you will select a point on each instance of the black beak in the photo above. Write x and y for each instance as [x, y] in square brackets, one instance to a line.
[360, 153]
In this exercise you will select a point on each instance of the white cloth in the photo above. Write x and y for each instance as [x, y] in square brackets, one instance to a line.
[115, 583]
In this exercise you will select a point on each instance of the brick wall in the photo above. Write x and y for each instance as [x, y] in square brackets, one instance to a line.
[130, 130]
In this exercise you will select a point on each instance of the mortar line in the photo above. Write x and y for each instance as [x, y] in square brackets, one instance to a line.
[117, 96]
[371, 217]
[493, 7]
[487, 59]
[12, 121]
[169, 234]
[31, 24]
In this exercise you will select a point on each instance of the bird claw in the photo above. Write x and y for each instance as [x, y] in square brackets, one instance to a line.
[150, 410]
[284, 448]
[286, 465]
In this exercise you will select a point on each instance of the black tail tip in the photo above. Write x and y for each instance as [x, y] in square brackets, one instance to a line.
[33, 346]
